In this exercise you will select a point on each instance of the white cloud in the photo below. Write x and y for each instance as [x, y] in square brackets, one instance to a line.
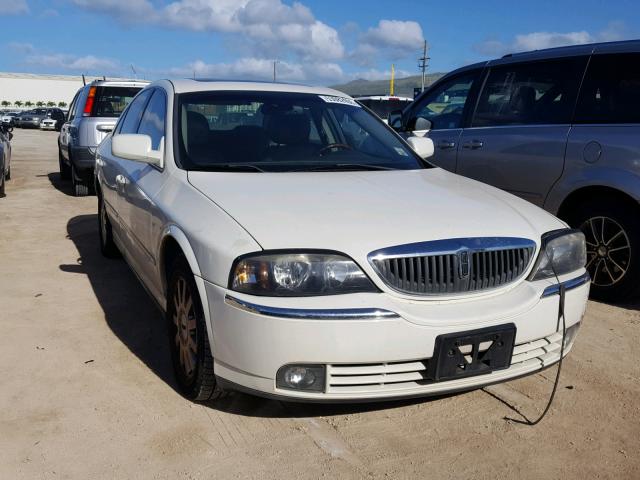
[270, 27]
[540, 40]
[84, 64]
[260, 69]
[391, 39]
[13, 7]
[20, 47]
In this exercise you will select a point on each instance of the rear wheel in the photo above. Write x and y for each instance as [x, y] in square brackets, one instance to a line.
[188, 339]
[65, 171]
[8, 175]
[612, 232]
[2, 183]
[80, 186]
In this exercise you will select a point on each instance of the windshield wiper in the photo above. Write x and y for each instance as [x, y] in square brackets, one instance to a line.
[343, 166]
[231, 167]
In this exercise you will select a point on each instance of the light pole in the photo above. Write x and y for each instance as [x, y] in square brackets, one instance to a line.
[424, 62]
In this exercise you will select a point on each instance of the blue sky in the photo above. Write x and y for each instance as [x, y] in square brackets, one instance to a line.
[322, 42]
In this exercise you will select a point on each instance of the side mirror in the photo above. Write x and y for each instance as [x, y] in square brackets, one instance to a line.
[394, 119]
[137, 147]
[422, 124]
[423, 146]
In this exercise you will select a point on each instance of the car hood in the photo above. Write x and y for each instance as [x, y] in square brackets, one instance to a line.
[358, 212]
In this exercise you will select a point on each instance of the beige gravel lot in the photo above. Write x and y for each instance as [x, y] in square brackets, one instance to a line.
[86, 389]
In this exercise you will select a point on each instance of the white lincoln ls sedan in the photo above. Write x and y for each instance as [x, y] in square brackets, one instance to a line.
[301, 249]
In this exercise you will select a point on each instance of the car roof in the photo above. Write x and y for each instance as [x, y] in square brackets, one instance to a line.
[206, 85]
[119, 83]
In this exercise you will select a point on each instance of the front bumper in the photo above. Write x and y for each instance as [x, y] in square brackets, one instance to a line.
[384, 353]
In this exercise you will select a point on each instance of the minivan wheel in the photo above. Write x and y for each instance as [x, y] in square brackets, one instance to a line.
[8, 175]
[612, 233]
[190, 350]
[80, 187]
[107, 245]
[65, 171]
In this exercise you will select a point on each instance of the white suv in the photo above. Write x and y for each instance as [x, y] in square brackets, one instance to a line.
[300, 249]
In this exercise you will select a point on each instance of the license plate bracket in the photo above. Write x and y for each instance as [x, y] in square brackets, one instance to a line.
[475, 352]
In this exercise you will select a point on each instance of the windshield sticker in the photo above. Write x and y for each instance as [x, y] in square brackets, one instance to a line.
[401, 151]
[342, 100]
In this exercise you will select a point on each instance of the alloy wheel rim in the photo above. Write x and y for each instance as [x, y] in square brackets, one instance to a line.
[184, 320]
[608, 250]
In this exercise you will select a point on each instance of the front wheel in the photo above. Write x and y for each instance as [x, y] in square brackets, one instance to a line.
[612, 232]
[107, 245]
[190, 350]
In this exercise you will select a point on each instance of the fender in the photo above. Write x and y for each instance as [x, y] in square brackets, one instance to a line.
[623, 180]
[178, 235]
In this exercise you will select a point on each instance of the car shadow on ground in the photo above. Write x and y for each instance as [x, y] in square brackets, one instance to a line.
[133, 317]
[64, 186]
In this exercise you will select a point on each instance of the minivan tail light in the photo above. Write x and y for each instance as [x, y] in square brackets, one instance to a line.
[88, 106]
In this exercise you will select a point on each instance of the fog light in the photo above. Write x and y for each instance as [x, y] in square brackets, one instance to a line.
[301, 377]
[570, 334]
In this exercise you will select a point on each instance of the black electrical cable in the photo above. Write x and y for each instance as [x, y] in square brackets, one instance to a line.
[561, 293]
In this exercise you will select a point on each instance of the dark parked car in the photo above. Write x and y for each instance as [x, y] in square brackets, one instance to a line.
[54, 120]
[31, 118]
[5, 155]
[558, 127]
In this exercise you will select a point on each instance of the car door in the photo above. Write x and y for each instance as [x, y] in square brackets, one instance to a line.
[143, 181]
[604, 150]
[65, 129]
[444, 106]
[114, 171]
[518, 132]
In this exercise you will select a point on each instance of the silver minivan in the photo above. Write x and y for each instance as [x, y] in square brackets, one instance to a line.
[558, 127]
[93, 112]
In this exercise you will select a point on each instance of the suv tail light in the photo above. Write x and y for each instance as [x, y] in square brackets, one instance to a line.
[88, 106]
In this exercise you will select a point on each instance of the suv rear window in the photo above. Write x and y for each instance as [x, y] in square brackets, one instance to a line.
[111, 101]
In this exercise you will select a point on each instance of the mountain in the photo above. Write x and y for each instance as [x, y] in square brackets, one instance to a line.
[403, 86]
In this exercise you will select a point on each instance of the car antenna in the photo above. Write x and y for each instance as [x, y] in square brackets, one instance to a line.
[84, 81]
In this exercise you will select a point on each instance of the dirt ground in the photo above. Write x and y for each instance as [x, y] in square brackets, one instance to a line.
[86, 389]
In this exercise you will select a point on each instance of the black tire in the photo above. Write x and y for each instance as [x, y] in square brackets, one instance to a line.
[65, 171]
[80, 186]
[613, 259]
[194, 374]
[2, 182]
[8, 175]
[107, 245]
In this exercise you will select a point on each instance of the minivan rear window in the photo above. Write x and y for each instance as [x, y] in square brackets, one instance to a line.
[111, 101]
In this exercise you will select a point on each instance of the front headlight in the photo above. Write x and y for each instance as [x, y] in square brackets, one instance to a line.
[563, 251]
[298, 275]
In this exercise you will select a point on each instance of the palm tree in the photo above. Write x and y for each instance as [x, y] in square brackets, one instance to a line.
[39, 103]
[5, 103]
[28, 103]
[62, 104]
[51, 104]
[17, 103]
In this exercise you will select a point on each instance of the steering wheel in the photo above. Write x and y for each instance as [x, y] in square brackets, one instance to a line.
[331, 146]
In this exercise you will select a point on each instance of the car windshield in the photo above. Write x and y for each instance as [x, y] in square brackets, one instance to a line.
[283, 132]
[111, 101]
[383, 108]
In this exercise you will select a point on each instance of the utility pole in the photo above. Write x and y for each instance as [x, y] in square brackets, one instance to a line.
[274, 70]
[424, 63]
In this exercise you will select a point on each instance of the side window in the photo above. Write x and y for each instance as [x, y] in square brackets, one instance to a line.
[444, 106]
[134, 113]
[530, 93]
[153, 120]
[72, 107]
[611, 90]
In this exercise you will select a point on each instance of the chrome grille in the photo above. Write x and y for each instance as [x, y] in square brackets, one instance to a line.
[453, 266]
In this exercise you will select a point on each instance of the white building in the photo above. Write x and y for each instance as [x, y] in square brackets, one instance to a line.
[35, 88]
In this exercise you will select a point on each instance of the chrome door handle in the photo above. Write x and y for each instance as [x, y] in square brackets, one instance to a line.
[121, 180]
[473, 144]
[446, 144]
